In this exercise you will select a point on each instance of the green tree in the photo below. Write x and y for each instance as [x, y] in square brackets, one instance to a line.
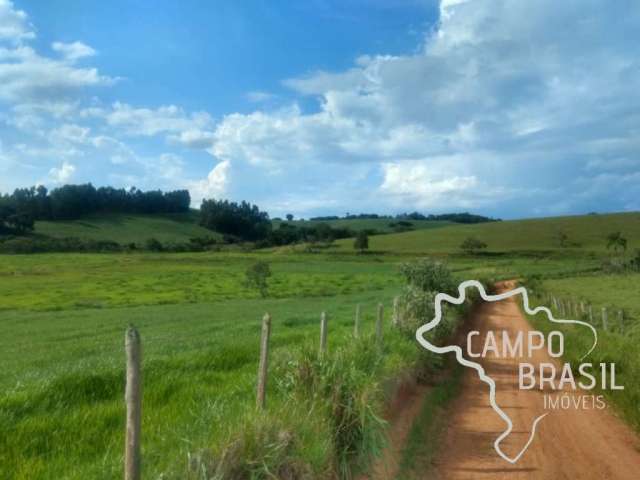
[472, 245]
[256, 277]
[289, 217]
[361, 242]
[242, 220]
[154, 245]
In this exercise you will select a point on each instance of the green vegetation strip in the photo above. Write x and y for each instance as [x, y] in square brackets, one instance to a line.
[426, 434]
[623, 349]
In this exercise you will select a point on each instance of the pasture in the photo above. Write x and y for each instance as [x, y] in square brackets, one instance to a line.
[63, 357]
[127, 228]
[64, 318]
[584, 234]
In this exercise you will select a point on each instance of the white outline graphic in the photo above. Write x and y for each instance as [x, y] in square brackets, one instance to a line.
[476, 366]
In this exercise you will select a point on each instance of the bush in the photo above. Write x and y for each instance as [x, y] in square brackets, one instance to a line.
[257, 276]
[154, 245]
[429, 276]
[361, 242]
[472, 245]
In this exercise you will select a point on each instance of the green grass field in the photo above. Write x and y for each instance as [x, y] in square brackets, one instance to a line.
[585, 234]
[618, 344]
[64, 318]
[124, 228]
[61, 408]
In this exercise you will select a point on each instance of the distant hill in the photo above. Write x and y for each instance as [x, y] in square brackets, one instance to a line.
[382, 225]
[127, 228]
[586, 232]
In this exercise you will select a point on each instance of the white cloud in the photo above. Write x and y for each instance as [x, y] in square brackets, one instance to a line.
[199, 139]
[150, 122]
[73, 51]
[62, 174]
[419, 185]
[70, 133]
[500, 101]
[27, 77]
[14, 24]
[214, 186]
[257, 96]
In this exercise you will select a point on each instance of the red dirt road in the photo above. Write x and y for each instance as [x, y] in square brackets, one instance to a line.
[569, 444]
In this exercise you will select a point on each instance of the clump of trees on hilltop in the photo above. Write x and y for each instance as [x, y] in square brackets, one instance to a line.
[464, 217]
[246, 222]
[20, 209]
[242, 220]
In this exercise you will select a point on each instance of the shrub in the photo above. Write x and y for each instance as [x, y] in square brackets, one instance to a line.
[154, 245]
[361, 242]
[472, 245]
[256, 277]
[429, 276]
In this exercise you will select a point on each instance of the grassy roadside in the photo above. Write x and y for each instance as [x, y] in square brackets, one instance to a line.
[613, 346]
[423, 442]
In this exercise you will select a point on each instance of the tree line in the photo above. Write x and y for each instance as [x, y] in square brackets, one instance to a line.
[246, 222]
[464, 217]
[19, 210]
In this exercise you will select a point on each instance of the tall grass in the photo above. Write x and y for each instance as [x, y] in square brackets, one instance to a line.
[621, 348]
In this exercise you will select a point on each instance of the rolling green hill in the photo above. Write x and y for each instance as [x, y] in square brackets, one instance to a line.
[127, 228]
[586, 232]
[379, 224]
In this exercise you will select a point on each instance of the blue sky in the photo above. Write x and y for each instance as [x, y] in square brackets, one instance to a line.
[511, 109]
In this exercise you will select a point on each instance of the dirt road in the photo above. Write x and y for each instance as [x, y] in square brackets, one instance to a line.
[569, 444]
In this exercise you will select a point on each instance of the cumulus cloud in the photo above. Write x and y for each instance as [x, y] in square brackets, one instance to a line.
[73, 51]
[504, 93]
[14, 23]
[28, 77]
[152, 121]
[199, 139]
[512, 107]
[62, 174]
[70, 133]
[214, 186]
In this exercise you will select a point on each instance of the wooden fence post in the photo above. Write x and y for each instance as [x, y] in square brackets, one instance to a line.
[133, 400]
[263, 367]
[604, 319]
[555, 303]
[323, 333]
[356, 324]
[379, 324]
[621, 321]
[590, 313]
[582, 308]
[395, 320]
